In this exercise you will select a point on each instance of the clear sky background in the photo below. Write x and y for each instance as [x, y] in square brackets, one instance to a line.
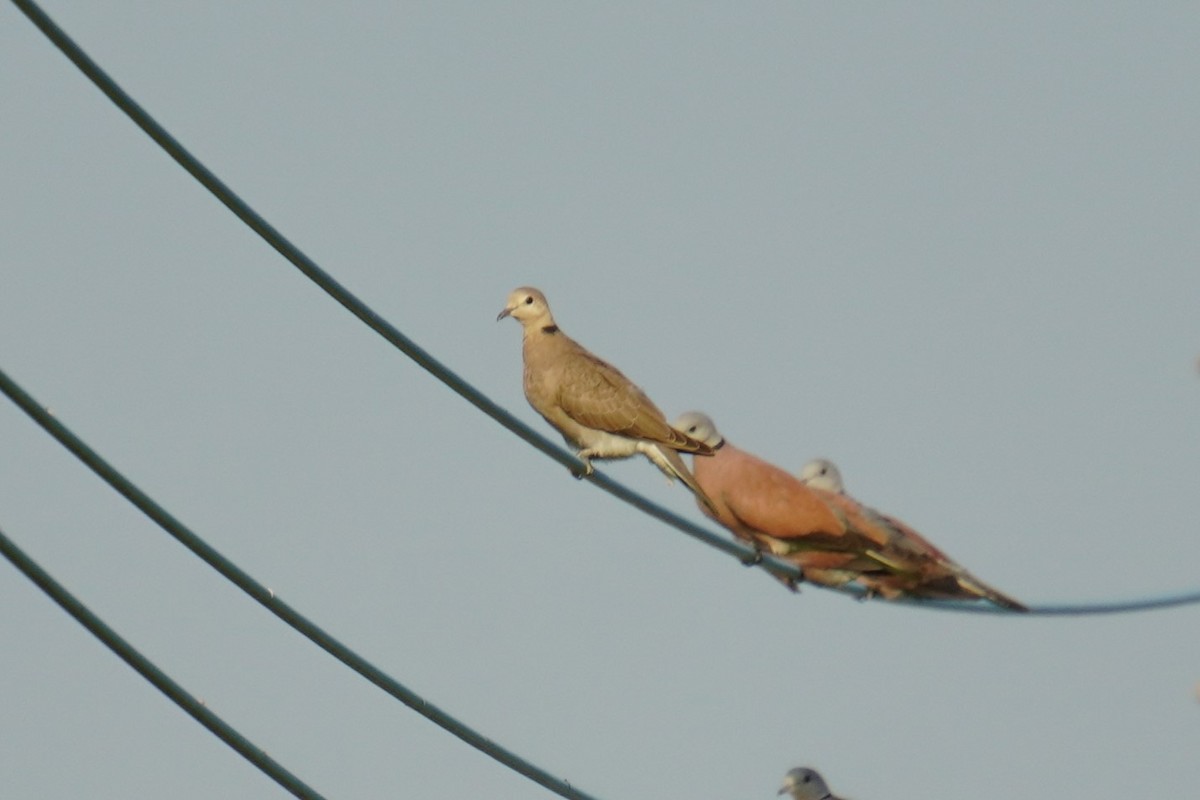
[953, 246]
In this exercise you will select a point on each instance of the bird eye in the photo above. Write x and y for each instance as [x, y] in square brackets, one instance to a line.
[528, 301]
[692, 429]
[807, 778]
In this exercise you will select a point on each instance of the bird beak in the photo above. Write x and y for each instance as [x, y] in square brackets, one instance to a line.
[783, 789]
[507, 310]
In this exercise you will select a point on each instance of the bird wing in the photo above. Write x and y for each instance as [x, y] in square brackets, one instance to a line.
[595, 394]
[943, 576]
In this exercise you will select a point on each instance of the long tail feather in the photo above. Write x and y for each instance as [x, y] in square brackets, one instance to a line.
[978, 587]
[681, 471]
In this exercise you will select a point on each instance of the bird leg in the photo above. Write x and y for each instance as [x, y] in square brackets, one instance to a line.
[584, 455]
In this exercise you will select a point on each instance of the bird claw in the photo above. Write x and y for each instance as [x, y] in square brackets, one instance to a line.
[585, 457]
[754, 560]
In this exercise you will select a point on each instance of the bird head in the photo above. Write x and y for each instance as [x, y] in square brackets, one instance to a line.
[803, 783]
[821, 473]
[698, 426]
[528, 306]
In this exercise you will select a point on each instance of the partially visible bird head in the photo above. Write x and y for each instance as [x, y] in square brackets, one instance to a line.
[698, 426]
[803, 783]
[821, 473]
[528, 306]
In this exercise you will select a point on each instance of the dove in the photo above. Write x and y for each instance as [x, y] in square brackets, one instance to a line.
[598, 411]
[803, 783]
[821, 473]
[773, 511]
[832, 537]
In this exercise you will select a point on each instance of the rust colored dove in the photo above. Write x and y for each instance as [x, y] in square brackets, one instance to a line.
[803, 783]
[832, 537]
[598, 411]
[948, 581]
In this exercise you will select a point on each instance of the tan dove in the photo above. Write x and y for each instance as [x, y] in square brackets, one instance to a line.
[832, 537]
[803, 783]
[597, 410]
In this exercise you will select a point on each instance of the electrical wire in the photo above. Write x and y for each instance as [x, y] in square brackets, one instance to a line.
[1070, 609]
[485, 404]
[267, 598]
[147, 669]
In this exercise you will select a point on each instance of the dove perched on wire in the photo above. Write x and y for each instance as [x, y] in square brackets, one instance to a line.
[803, 783]
[947, 581]
[598, 411]
[833, 538]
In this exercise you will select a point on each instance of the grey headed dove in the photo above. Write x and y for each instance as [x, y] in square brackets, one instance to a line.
[803, 783]
[833, 538]
[823, 475]
[598, 411]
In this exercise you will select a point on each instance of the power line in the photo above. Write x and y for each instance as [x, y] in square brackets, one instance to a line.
[273, 603]
[485, 404]
[146, 668]
[1095, 608]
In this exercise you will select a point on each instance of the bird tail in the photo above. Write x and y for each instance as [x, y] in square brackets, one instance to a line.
[981, 589]
[671, 464]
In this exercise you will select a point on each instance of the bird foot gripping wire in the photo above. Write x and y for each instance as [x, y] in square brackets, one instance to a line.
[869, 594]
[753, 560]
[579, 473]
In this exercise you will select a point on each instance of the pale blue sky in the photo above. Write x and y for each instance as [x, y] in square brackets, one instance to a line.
[953, 246]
